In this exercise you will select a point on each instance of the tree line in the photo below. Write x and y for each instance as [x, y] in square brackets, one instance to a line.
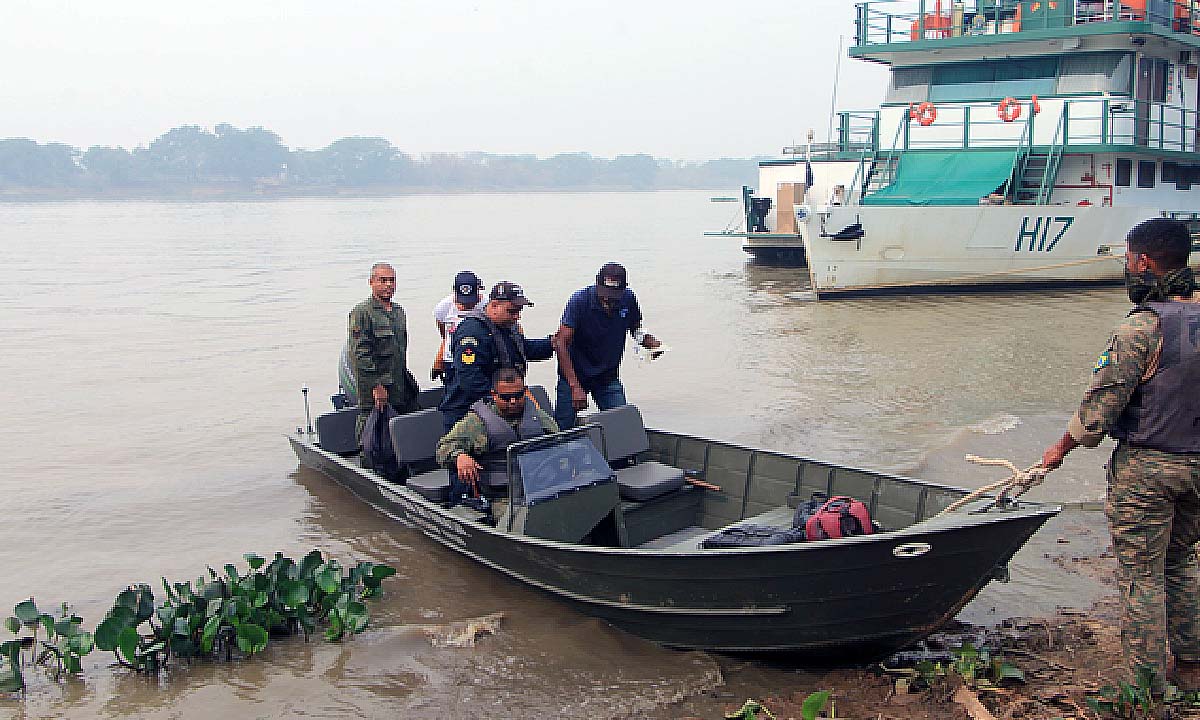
[255, 160]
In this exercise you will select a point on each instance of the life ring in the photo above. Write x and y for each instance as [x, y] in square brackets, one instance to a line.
[924, 114]
[1009, 109]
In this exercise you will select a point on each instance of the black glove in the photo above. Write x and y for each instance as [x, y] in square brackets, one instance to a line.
[437, 374]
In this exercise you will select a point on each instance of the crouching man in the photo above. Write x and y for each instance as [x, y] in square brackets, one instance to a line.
[474, 449]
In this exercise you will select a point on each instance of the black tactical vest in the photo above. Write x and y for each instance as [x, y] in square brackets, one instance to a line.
[502, 337]
[1164, 412]
[500, 435]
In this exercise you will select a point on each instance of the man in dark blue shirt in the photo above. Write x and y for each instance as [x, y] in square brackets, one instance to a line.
[590, 342]
[486, 340]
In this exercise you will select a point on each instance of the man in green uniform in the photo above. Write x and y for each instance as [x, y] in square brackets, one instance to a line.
[1145, 393]
[378, 348]
[474, 449]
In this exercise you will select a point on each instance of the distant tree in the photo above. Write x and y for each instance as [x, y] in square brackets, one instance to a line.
[353, 161]
[24, 162]
[107, 166]
[572, 169]
[183, 154]
[636, 171]
[250, 154]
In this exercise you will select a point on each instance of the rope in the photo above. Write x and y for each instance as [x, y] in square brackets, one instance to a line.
[1020, 481]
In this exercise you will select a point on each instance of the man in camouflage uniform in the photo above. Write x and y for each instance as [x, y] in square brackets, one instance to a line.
[1145, 393]
[378, 349]
[474, 448]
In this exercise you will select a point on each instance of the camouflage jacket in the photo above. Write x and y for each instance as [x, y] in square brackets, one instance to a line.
[378, 350]
[469, 436]
[1130, 359]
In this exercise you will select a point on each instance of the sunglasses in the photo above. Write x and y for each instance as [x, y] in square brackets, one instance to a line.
[512, 396]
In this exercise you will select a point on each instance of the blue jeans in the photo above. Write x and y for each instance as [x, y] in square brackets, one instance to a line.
[606, 396]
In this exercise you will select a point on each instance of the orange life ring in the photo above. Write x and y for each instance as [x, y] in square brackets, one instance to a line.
[1009, 109]
[924, 114]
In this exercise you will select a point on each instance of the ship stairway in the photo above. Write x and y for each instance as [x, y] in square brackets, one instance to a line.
[882, 172]
[1036, 170]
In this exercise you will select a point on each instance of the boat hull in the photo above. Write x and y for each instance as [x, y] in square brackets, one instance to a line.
[855, 600]
[980, 248]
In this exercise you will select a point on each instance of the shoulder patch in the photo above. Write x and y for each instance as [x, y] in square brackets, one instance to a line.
[1103, 361]
[467, 356]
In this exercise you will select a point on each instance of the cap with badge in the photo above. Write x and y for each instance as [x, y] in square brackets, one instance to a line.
[611, 281]
[466, 287]
[511, 292]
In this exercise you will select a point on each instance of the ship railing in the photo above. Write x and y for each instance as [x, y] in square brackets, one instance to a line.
[1138, 123]
[912, 20]
[1088, 121]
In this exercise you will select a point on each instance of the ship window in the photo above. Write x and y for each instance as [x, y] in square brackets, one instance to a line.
[990, 79]
[1095, 73]
[1146, 169]
[1169, 173]
[1124, 171]
[1183, 177]
[909, 85]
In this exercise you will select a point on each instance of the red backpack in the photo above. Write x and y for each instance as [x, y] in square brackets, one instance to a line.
[839, 517]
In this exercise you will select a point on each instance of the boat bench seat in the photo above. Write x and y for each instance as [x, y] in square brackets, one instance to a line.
[414, 438]
[624, 440]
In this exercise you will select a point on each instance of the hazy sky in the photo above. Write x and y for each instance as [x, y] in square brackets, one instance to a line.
[686, 80]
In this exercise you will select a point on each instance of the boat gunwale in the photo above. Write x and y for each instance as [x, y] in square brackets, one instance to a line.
[964, 519]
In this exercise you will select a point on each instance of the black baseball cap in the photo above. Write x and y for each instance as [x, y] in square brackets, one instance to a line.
[466, 287]
[511, 292]
[611, 281]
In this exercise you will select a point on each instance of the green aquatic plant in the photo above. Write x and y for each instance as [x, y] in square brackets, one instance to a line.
[60, 650]
[213, 615]
[1131, 702]
[977, 667]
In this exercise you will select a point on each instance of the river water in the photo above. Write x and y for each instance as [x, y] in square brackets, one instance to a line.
[153, 356]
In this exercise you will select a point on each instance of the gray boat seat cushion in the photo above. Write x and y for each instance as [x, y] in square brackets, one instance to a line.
[336, 431]
[415, 436]
[430, 398]
[543, 399]
[648, 480]
[434, 485]
[624, 438]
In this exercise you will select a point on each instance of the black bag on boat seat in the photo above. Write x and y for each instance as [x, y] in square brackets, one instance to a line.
[753, 536]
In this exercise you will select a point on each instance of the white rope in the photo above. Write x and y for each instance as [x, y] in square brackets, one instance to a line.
[1020, 481]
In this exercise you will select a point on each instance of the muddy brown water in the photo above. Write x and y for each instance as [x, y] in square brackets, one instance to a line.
[152, 359]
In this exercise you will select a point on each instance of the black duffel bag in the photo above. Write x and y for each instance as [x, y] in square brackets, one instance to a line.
[753, 536]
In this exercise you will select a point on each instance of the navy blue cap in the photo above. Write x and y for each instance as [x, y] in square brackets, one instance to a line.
[466, 287]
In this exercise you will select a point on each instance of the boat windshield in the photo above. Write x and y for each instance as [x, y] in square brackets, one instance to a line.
[548, 467]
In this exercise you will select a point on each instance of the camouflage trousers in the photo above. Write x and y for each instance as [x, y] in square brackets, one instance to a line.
[1153, 510]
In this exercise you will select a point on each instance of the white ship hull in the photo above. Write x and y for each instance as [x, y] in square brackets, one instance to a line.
[985, 247]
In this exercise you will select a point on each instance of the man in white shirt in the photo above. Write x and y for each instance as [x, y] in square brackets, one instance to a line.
[464, 297]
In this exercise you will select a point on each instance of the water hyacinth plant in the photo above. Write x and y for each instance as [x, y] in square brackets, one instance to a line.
[208, 618]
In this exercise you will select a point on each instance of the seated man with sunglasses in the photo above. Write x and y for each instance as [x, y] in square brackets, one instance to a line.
[474, 449]
[488, 338]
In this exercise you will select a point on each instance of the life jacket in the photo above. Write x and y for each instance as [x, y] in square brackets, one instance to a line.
[501, 337]
[500, 435]
[1164, 412]
[839, 517]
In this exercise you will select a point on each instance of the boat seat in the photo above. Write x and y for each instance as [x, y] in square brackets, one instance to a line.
[414, 438]
[543, 398]
[624, 439]
[430, 398]
[335, 431]
[433, 485]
